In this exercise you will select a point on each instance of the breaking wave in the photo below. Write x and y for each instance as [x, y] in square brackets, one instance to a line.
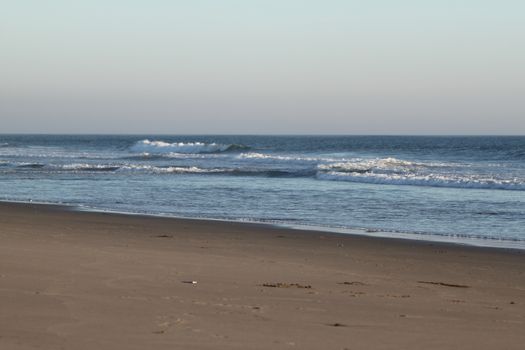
[88, 167]
[392, 171]
[162, 148]
[167, 169]
[131, 168]
[389, 165]
[254, 155]
[170, 169]
[432, 180]
[381, 171]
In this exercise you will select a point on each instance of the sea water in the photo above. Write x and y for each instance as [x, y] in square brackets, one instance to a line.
[461, 189]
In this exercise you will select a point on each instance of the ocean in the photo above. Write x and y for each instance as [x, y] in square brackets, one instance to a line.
[467, 190]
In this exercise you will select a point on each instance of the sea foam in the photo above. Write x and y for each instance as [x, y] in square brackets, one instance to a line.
[265, 156]
[381, 165]
[432, 180]
[161, 147]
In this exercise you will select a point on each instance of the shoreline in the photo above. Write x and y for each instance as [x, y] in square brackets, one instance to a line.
[84, 280]
[372, 233]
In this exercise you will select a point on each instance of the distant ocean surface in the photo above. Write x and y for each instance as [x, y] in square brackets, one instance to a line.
[459, 189]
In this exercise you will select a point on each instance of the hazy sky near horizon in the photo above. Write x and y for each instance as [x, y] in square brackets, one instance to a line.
[263, 66]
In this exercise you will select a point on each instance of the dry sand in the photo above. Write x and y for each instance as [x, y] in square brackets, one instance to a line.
[78, 280]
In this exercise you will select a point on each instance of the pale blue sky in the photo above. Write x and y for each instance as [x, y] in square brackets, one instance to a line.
[288, 66]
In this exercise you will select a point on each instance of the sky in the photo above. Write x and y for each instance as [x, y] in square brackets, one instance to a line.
[262, 66]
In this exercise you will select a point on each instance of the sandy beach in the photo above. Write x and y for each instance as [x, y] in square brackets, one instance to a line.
[81, 280]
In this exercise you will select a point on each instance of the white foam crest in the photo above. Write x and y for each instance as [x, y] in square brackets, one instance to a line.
[84, 166]
[51, 152]
[80, 166]
[382, 164]
[190, 170]
[188, 155]
[433, 180]
[170, 169]
[119, 168]
[164, 148]
[255, 155]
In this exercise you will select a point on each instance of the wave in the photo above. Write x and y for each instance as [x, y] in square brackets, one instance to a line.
[31, 165]
[393, 171]
[163, 148]
[432, 180]
[273, 172]
[152, 157]
[87, 167]
[384, 171]
[23, 165]
[393, 165]
[145, 168]
[171, 169]
[254, 155]
[218, 171]
[215, 171]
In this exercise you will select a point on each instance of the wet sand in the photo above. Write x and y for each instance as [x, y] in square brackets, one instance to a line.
[80, 280]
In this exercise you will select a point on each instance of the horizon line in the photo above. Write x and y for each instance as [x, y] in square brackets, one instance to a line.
[251, 134]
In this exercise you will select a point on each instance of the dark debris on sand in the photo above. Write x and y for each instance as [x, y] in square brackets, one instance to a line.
[337, 324]
[286, 285]
[353, 283]
[445, 284]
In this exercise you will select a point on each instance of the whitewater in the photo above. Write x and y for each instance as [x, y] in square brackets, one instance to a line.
[466, 189]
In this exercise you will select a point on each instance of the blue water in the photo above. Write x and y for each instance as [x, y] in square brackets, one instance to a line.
[461, 189]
